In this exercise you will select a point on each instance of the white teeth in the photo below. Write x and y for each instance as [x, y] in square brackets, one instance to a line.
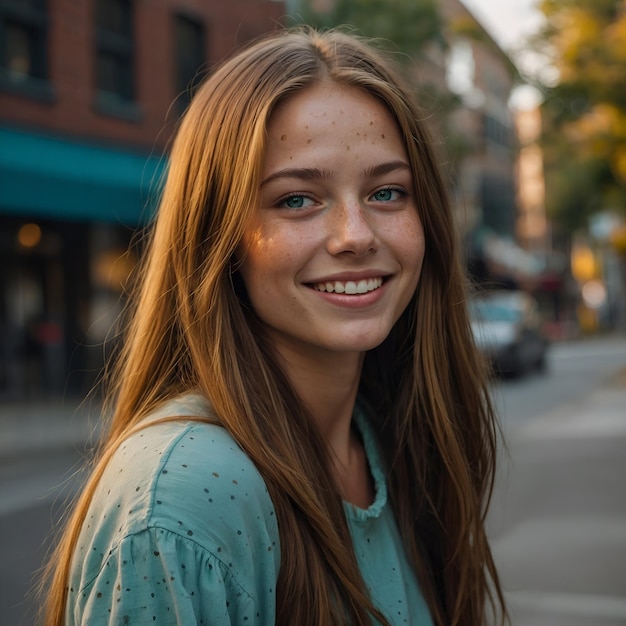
[349, 287]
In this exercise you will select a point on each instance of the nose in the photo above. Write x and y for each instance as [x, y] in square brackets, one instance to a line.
[351, 230]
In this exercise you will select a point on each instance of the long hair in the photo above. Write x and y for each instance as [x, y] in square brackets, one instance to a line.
[192, 329]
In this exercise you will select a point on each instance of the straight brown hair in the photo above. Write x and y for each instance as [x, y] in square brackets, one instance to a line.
[192, 329]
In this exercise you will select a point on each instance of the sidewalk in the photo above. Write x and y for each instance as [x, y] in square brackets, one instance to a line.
[558, 520]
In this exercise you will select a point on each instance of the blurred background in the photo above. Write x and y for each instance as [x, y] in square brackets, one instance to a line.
[527, 104]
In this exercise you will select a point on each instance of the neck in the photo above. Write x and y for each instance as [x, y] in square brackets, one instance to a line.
[327, 383]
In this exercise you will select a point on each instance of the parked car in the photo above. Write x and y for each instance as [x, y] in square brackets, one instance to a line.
[508, 330]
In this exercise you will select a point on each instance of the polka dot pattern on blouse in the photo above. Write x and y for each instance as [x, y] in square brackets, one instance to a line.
[182, 530]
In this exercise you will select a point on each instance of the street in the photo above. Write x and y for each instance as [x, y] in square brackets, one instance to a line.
[33, 492]
[558, 520]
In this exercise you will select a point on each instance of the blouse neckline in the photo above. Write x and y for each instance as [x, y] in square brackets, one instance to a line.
[374, 460]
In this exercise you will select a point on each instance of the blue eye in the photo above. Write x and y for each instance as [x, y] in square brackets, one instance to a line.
[296, 201]
[386, 195]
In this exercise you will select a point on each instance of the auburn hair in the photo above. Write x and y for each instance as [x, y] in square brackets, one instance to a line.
[192, 329]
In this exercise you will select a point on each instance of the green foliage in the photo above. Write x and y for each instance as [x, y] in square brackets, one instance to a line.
[585, 113]
[405, 25]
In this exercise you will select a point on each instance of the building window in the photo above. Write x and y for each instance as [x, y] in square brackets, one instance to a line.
[23, 47]
[115, 75]
[190, 57]
[496, 132]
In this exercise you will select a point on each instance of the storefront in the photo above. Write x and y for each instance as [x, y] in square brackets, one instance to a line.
[68, 211]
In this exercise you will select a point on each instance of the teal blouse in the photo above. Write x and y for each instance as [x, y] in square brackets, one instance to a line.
[182, 530]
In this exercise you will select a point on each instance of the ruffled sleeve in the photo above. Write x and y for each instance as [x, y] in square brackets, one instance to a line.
[159, 577]
[180, 530]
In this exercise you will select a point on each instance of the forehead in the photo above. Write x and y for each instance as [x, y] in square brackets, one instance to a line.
[321, 111]
[333, 102]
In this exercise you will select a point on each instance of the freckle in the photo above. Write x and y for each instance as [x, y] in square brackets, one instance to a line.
[348, 148]
[308, 140]
[283, 137]
[371, 123]
[382, 136]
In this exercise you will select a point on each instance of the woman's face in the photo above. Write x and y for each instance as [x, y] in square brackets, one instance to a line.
[334, 252]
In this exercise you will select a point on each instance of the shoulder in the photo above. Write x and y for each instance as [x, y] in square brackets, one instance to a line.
[191, 479]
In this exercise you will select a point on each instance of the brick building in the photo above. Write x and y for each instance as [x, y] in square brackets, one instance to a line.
[90, 92]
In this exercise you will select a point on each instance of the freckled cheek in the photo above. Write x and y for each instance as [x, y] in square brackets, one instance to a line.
[270, 260]
[411, 251]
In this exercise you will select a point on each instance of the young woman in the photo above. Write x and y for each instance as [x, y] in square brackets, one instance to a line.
[301, 433]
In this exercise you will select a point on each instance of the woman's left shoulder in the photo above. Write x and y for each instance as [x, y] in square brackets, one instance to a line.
[189, 477]
[207, 467]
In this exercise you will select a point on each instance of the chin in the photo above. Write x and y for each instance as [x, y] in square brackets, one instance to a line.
[363, 344]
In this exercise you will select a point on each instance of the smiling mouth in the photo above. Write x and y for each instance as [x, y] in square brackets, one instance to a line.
[349, 287]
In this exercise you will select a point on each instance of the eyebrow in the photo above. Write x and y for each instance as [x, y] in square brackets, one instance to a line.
[303, 173]
[314, 173]
[386, 168]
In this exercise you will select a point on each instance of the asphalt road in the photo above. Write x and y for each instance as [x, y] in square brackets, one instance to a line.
[558, 521]
[558, 518]
[574, 369]
[34, 494]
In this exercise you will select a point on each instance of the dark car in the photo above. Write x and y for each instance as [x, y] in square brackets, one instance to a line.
[508, 330]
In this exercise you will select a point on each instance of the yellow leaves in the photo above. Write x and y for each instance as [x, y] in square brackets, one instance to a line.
[577, 35]
[618, 163]
[602, 119]
[586, 114]
[618, 239]
[584, 40]
[615, 40]
[596, 123]
[601, 133]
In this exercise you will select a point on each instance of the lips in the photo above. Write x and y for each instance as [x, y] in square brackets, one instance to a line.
[349, 287]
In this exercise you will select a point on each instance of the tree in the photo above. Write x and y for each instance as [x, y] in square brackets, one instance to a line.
[585, 111]
[403, 25]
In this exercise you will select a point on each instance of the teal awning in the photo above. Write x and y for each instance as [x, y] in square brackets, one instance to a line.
[48, 177]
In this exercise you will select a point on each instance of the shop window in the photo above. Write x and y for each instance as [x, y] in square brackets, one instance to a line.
[190, 57]
[115, 74]
[23, 48]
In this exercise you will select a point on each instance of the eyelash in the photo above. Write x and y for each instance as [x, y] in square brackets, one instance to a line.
[394, 188]
[281, 203]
